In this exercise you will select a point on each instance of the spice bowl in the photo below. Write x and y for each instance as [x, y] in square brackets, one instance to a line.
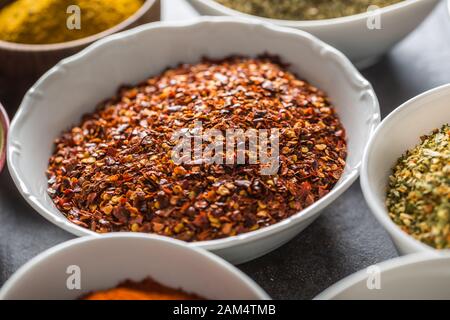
[357, 36]
[129, 57]
[32, 60]
[421, 276]
[101, 263]
[4, 126]
[399, 132]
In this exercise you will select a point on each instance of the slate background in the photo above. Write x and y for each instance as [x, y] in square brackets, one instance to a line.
[345, 239]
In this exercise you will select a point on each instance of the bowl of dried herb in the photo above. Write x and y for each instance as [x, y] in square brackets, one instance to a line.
[154, 156]
[420, 276]
[129, 267]
[363, 30]
[406, 173]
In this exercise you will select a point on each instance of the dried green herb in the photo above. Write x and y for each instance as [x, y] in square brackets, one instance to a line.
[304, 9]
[418, 196]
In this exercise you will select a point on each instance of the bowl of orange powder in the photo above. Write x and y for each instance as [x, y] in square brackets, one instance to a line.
[127, 266]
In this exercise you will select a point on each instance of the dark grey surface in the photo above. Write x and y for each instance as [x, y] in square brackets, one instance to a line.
[345, 239]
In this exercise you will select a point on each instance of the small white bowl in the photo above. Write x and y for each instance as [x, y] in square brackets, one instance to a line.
[77, 84]
[423, 276]
[350, 34]
[104, 262]
[399, 132]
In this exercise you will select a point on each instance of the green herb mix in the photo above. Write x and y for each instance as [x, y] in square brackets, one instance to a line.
[418, 196]
[304, 9]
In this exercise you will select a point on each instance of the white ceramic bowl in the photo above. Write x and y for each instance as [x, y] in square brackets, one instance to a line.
[351, 34]
[77, 84]
[399, 132]
[415, 277]
[104, 262]
[4, 127]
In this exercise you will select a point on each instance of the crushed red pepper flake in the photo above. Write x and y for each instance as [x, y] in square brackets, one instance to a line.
[114, 172]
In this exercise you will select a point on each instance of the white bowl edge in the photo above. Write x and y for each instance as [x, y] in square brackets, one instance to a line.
[353, 279]
[10, 283]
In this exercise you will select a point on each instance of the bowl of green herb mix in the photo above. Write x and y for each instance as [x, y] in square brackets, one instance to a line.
[405, 175]
[362, 29]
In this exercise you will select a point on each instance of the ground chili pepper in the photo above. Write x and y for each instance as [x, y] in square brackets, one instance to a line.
[147, 289]
[114, 171]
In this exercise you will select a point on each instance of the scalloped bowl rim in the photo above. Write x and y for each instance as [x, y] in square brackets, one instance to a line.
[380, 212]
[219, 262]
[346, 66]
[306, 23]
[385, 266]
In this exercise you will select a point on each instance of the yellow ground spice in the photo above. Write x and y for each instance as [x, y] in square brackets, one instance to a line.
[45, 21]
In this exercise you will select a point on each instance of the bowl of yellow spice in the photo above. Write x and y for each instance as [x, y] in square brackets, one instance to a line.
[405, 174]
[36, 34]
[362, 29]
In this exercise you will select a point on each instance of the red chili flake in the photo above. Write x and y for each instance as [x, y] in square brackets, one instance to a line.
[114, 172]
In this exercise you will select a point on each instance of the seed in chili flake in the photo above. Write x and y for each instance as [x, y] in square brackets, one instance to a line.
[114, 171]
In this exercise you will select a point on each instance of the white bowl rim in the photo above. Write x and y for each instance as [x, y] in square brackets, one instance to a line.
[385, 266]
[223, 243]
[219, 262]
[24, 47]
[380, 212]
[307, 23]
